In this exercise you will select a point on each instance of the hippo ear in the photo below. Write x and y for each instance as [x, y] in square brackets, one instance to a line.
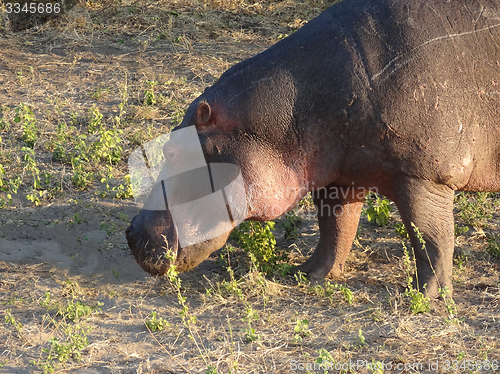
[203, 115]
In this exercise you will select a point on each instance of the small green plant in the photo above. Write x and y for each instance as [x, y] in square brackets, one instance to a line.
[301, 279]
[156, 324]
[401, 230]
[301, 330]
[493, 247]
[326, 359]
[59, 150]
[250, 335]
[232, 286]
[290, 225]
[376, 367]
[15, 183]
[360, 340]
[4, 125]
[258, 241]
[111, 228]
[27, 119]
[121, 191]
[70, 328]
[348, 296]
[450, 305]
[95, 119]
[99, 93]
[66, 348]
[10, 319]
[419, 303]
[460, 230]
[329, 289]
[149, 93]
[251, 315]
[107, 146]
[32, 169]
[173, 276]
[460, 259]
[81, 178]
[72, 310]
[211, 370]
[378, 211]
[76, 311]
[475, 208]
[5, 197]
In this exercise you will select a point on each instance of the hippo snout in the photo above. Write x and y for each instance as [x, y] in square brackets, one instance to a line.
[152, 238]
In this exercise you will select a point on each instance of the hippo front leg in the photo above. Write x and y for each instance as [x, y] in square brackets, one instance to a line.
[339, 209]
[430, 207]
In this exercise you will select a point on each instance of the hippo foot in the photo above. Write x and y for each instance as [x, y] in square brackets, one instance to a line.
[316, 270]
[433, 287]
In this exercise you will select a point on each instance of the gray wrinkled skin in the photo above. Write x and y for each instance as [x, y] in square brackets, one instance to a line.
[398, 95]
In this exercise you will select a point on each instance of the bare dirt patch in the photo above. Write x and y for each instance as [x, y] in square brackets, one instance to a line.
[72, 298]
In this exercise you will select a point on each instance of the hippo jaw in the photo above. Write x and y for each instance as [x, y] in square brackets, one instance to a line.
[152, 238]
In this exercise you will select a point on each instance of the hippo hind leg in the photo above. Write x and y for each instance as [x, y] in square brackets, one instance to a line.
[429, 206]
[339, 209]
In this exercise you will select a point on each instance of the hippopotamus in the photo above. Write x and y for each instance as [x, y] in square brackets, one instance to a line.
[401, 97]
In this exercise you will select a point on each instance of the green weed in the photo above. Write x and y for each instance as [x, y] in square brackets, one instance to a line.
[326, 359]
[290, 225]
[149, 94]
[121, 191]
[449, 303]
[99, 93]
[107, 146]
[460, 230]
[376, 367]
[361, 340]
[401, 230]
[493, 247]
[329, 290]
[378, 211]
[475, 208]
[4, 188]
[258, 241]
[419, 303]
[301, 330]
[250, 334]
[4, 124]
[95, 119]
[156, 324]
[10, 319]
[26, 118]
[68, 347]
[81, 178]
[70, 327]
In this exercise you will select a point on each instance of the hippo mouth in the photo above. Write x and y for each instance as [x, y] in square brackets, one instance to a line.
[153, 242]
[159, 250]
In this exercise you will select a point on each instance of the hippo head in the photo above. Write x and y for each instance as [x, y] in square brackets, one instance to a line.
[222, 165]
[192, 205]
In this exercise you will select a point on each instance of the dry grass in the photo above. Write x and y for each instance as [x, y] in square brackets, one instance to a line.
[106, 54]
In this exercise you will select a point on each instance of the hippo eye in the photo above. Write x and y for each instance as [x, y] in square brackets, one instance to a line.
[170, 154]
